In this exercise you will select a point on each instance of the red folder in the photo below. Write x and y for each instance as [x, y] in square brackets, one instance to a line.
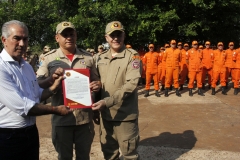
[70, 102]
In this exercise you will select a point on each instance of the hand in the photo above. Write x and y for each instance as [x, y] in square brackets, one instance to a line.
[58, 72]
[95, 86]
[62, 110]
[57, 83]
[99, 105]
[96, 117]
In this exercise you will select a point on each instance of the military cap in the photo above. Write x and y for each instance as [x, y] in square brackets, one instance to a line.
[207, 42]
[128, 46]
[173, 42]
[186, 45]
[63, 25]
[231, 44]
[114, 26]
[100, 46]
[194, 42]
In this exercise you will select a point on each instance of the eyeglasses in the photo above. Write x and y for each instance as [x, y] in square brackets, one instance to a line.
[150, 47]
[230, 45]
[220, 45]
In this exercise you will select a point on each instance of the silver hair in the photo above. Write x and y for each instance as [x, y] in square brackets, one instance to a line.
[6, 27]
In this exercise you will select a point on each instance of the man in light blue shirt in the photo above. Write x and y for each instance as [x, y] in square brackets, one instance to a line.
[20, 96]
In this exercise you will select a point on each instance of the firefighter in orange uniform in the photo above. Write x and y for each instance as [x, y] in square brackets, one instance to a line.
[179, 46]
[162, 49]
[207, 65]
[128, 46]
[163, 73]
[151, 61]
[236, 70]
[172, 57]
[219, 68]
[141, 53]
[183, 66]
[229, 62]
[194, 58]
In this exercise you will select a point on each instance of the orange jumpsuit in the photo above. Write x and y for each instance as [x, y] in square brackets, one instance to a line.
[207, 64]
[219, 68]
[151, 61]
[236, 69]
[163, 72]
[183, 67]
[194, 57]
[160, 67]
[229, 64]
[172, 57]
[141, 54]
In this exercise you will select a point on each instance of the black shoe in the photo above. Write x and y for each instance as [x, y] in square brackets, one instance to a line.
[163, 88]
[181, 87]
[166, 92]
[178, 93]
[235, 91]
[146, 93]
[157, 94]
[203, 86]
[170, 88]
[224, 90]
[213, 91]
[190, 92]
[200, 92]
[226, 85]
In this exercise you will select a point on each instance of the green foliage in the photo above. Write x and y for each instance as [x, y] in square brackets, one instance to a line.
[155, 21]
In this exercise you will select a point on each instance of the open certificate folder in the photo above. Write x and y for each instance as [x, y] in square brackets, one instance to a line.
[76, 90]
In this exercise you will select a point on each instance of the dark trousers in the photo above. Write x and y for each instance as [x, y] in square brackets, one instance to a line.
[19, 143]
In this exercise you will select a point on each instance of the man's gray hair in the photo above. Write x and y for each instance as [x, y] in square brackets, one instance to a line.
[6, 27]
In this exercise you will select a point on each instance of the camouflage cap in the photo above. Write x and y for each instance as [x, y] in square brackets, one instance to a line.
[114, 26]
[63, 25]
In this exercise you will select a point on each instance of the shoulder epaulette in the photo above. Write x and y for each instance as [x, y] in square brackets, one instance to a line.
[84, 52]
[50, 52]
[132, 50]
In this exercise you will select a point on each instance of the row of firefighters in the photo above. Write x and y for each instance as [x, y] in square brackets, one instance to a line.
[173, 65]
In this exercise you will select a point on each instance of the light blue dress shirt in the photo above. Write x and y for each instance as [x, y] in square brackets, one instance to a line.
[19, 92]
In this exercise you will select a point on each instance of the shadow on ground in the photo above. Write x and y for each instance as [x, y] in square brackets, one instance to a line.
[185, 140]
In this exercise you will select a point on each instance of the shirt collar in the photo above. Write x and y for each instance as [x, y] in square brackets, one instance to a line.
[6, 57]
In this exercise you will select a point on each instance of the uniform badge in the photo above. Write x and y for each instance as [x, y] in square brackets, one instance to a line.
[135, 64]
[82, 62]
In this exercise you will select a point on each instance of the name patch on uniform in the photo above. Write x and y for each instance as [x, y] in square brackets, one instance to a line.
[135, 64]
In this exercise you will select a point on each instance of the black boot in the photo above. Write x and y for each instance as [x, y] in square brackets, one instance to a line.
[178, 93]
[213, 91]
[235, 91]
[146, 93]
[190, 92]
[170, 88]
[200, 92]
[224, 90]
[166, 92]
[209, 86]
[181, 87]
[226, 85]
[157, 94]
[203, 86]
[163, 88]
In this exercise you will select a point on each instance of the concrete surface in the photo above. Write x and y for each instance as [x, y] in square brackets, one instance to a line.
[171, 128]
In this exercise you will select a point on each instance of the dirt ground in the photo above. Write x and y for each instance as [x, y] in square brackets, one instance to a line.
[175, 128]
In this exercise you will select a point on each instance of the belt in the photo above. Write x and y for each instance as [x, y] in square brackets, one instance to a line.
[10, 130]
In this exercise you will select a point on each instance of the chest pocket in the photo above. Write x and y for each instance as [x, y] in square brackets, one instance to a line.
[102, 69]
